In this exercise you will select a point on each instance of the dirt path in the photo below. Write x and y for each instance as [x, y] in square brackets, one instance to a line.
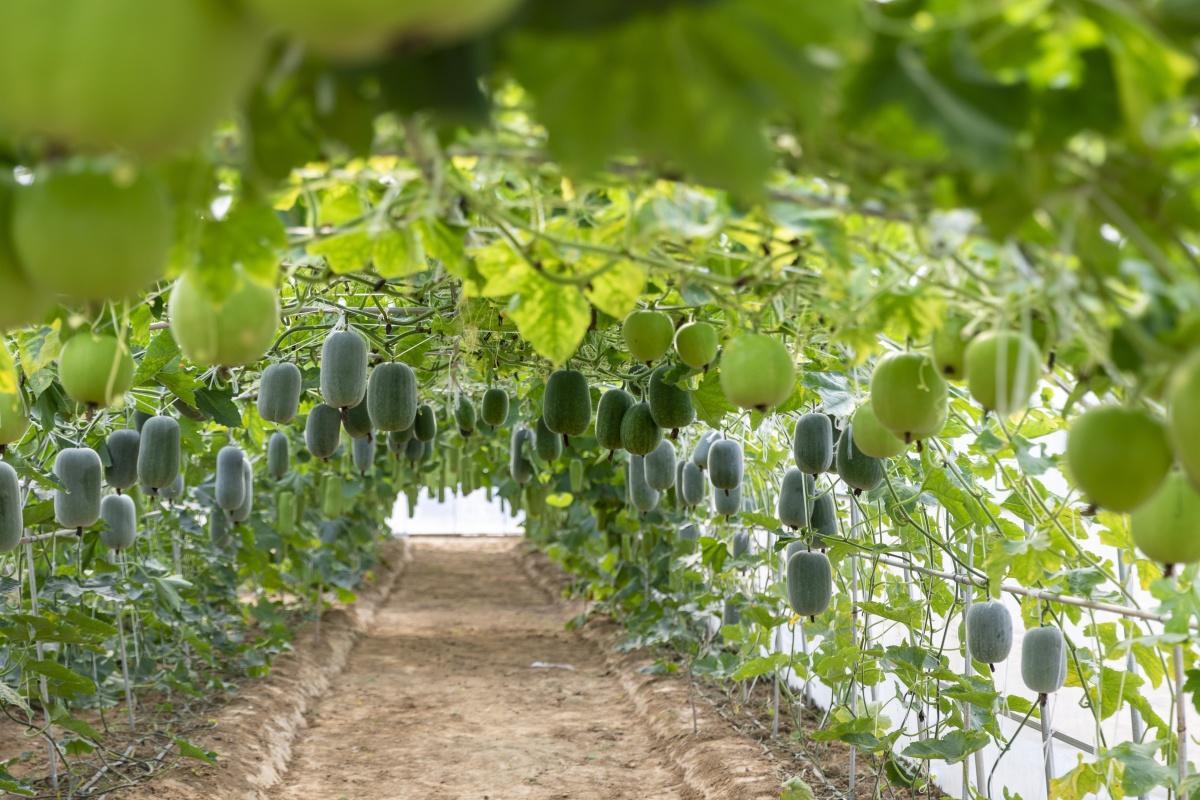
[440, 700]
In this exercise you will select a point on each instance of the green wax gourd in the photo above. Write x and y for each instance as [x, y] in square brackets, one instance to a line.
[362, 451]
[425, 425]
[547, 443]
[989, 632]
[159, 453]
[285, 513]
[610, 412]
[812, 444]
[11, 509]
[495, 407]
[279, 393]
[644, 497]
[797, 494]
[725, 464]
[727, 502]
[639, 433]
[660, 466]
[860, 472]
[567, 403]
[242, 512]
[278, 455]
[809, 582]
[230, 484]
[392, 397]
[519, 466]
[122, 446]
[120, 520]
[323, 431]
[670, 405]
[344, 369]
[1044, 660]
[693, 484]
[77, 500]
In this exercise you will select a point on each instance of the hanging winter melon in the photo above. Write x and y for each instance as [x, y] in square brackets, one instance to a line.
[323, 431]
[230, 485]
[229, 328]
[77, 499]
[12, 525]
[610, 412]
[122, 446]
[279, 392]
[1184, 416]
[725, 464]
[495, 407]
[86, 234]
[175, 490]
[823, 519]
[757, 372]
[243, 511]
[696, 344]
[796, 495]
[660, 466]
[871, 437]
[670, 405]
[688, 532]
[1003, 370]
[1167, 526]
[567, 403]
[643, 496]
[727, 502]
[546, 442]
[278, 455]
[703, 444]
[647, 334]
[741, 544]
[464, 415]
[95, 369]
[158, 453]
[989, 632]
[519, 466]
[809, 582]
[357, 421]
[639, 433]
[575, 475]
[362, 453]
[909, 396]
[860, 472]
[344, 369]
[425, 425]
[731, 614]
[812, 443]
[285, 514]
[120, 521]
[1044, 660]
[1118, 456]
[949, 348]
[392, 397]
[692, 484]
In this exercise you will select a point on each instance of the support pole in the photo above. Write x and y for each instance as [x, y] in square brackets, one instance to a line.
[852, 788]
[43, 690]
[1131, 665]
[1180, 715]
[1047, 740]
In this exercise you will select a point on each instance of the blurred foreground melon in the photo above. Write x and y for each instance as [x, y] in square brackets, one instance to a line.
[95, 369]
[1167, 526]
[229, 329]
[1118, 456]
[757, 372]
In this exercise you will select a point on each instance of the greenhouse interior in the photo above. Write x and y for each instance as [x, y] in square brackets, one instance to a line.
[623, 400]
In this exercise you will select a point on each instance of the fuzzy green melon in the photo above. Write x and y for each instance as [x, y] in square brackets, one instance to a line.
[519, 465]
[354, 30]
[1044, 660]
[12, 525]
[175, 490]
[757, 372]
[142, 76]
[88, 235]
[219, 532]
[643, 496]
[392, 397]
[464, 415]
[797, 492]
[860, 472]
[278, 455]
[647, 334]
[688, 533]
[871, 437]
[95, 369]
[1118, 456]
[1167, 526]
[344, 369]
[989, 632]
[742, 544]
[731, 614]
[610, 412]
[949, 348]
[228, 329]
[703, 445]
[414, 451]
[285, 514]
[425, 424]
[77, 498]
[639, 433]
[1183, 418]
[120, 521]
[1003, 370]
[159, 453]
[809, 582]
[696, 344]
[909, 396]
[812, 443]
[567, 403]
[575, 475]
[823, 519]
[229, 485]
[495, 407]
[243, 511]
[546, 443]
[727, 502]
[122, 446]
[362, 453]
[670, 405]
[357, 421]
[323, 431]
[279, 392]
[660, 466]
[692, 484]
[725, 464]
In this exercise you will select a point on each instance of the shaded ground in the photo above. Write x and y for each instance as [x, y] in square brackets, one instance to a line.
[441, 699]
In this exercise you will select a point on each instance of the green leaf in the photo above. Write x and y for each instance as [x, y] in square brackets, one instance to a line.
[951, 748]
[617, 289]
[189, 750]
[160, 352]
[66, 681]
[710, 402]
[219, 405]
[761, 665]
[1143, 773]
[398, 253]
[553, 317]
[344, 252]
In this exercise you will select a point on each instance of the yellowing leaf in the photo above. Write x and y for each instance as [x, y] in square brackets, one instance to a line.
[553, 317]
[398, 253]
[616, 290]
[344, 252]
